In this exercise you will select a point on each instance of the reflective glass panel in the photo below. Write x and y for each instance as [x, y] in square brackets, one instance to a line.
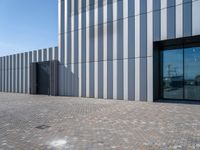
[172, 74]
[192, 73]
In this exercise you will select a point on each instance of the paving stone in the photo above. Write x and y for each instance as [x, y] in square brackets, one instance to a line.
[92, 124]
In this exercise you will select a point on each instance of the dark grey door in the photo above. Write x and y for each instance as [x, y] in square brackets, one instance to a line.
[43, 78]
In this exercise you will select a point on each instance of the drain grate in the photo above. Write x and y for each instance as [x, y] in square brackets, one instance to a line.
[42, 127]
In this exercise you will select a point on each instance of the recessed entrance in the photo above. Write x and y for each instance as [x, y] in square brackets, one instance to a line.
[43, 78]
[180, 73]
[177, 69]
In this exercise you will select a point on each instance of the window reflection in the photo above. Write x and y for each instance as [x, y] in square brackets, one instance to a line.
[173, 74]
[181, 73]
[192, 73]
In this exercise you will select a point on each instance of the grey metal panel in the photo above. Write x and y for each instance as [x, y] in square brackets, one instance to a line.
[54, 78]
[69, 47]
[137, 79]
[143, 79]
[9, 73]
[91, 79]
[119, 39]
[150, 34]
[163, 16]
[100, 79]
[61, 82]
[61, 39]
[75, 81]
[76, 47]
[156, 20]
[34, 56]
[110, 41]
[119, 9]
[171, 17]
[131, 8]
[3, 74]
[100, 43]
[125, 50]
[143, 35]
[87, 51]
[195, 17]
[13, 72]
[179, 18]
[83, 81]
[75, 15]
[137, 7]
[69, 80]
[17, 74]
[21, 76]
[6, 74]
[131, 37]
[55, 53]
[25, 73]
[30, 60]
[100, 12]
[110, 80]
[39, 55]
[150, 88]
[110, 10]
[120, 92]
[50, 53]
[187, 18]
[79, 49]
[131, 79]
[33, 78]
[156, 5]
[44, 54]
[91, 44]
[143, 6]
[83, 46]
[105, 45]
[61, 17]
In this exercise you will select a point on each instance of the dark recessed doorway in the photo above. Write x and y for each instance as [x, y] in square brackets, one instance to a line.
[43, 78]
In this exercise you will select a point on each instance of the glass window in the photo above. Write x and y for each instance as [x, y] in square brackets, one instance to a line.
[192, 73]
[180, 74]
[172, 74]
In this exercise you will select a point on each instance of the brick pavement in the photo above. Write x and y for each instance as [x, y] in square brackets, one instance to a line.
[91, 124]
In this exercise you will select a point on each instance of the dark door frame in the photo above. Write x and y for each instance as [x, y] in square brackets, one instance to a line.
[158, 46]
[53, 82]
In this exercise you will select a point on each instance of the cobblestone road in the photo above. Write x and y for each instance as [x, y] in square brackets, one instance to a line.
[90, 124]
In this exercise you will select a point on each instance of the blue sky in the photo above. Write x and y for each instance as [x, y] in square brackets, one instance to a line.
[27, 25]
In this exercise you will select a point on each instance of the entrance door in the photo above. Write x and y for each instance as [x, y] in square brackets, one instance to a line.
[43, 78]
[172, 74]
[192, 73]
[180, 74]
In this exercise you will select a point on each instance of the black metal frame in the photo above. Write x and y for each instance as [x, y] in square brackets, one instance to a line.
[53, 72]
[49, 74]
[185, 42]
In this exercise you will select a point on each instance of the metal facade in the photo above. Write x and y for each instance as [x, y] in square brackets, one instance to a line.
[106, 46]
[15, 69]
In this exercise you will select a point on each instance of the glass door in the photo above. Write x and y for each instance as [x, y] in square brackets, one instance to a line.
[192, 73]
[172, 74]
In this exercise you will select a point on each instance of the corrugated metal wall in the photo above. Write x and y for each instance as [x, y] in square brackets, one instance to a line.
[14, 69]
[106, 46]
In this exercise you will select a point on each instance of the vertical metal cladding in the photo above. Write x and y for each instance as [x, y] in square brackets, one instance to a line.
[106, 47]
[109, 43]
[15, 71]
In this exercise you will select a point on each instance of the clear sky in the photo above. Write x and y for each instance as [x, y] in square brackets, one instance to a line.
[27, 25]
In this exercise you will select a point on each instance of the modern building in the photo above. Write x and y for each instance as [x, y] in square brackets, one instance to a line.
[141, 50]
